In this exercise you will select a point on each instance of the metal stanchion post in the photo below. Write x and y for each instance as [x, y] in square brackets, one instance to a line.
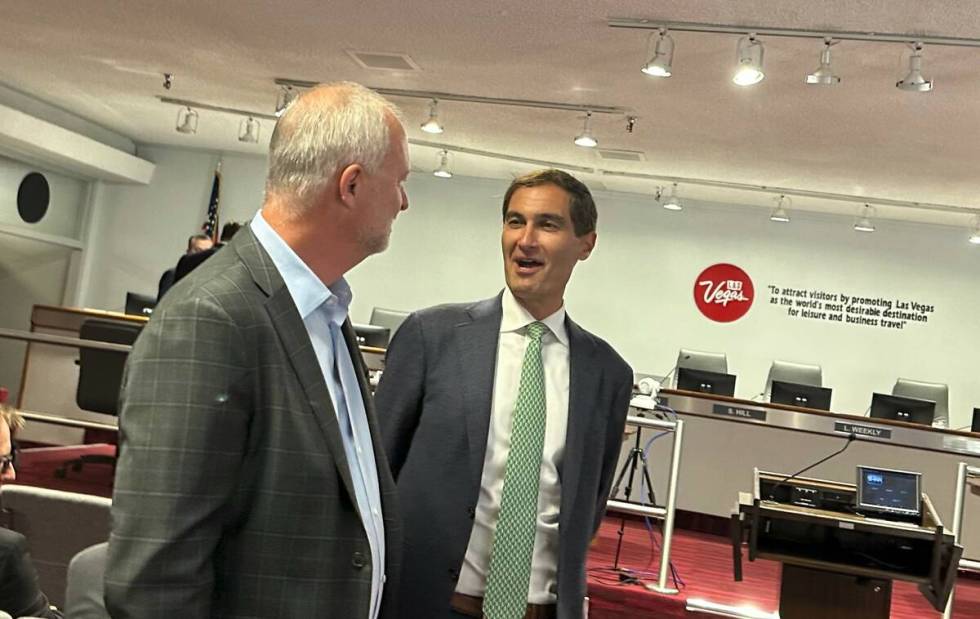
[959, 495]
[675, 465]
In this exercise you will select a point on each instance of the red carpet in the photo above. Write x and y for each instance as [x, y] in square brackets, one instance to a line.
[36, 467]
[704, 563]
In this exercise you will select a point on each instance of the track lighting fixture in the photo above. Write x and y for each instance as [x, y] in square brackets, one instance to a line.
[780, 214]
[168, 81]
[914, 82]
[659, 61]
[432, 125]
[248, 131]
[824, 75]
[186, 121]
[443, 170]
[975, 233]
[673, 201]
[750, 55]
[863, 223]
[586, 139]
[286, 96]
[750, 51]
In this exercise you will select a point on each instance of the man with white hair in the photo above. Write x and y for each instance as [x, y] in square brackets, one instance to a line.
[250, 481]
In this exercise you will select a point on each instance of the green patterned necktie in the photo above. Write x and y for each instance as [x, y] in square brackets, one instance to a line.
[513, 542]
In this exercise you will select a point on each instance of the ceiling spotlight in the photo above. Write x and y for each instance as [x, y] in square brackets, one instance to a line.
[443, 170]
[781, 213]
[914, 82]
[432, 125]
[863, 223]
[248, 131]
[975, 234]
[824, 74]
[168, 81]
[187, 121]
[673, 201]
[286, 97]
[749, 68]
[585, 139]
[662, 57]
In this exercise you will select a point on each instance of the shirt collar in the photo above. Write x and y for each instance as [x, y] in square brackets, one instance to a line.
[306, 289]
[516, 318]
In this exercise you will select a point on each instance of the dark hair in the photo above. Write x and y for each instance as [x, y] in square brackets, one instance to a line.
[228, 230]
[196, 237]
[580, 203]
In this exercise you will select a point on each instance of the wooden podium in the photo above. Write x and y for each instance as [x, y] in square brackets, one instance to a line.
[837, 563]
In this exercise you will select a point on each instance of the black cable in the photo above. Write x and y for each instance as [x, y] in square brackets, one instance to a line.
[781, 482]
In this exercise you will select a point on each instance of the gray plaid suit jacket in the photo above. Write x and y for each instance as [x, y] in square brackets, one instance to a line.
[434, 404]
[233, 497]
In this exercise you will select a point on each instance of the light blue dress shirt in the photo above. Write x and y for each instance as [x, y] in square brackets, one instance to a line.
[324, 310]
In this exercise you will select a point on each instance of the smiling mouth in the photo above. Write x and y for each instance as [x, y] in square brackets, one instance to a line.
[527, 265]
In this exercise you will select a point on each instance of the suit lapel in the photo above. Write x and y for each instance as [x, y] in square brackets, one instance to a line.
[583, 385]
[476, 351]
[297, 346]
[385, 481]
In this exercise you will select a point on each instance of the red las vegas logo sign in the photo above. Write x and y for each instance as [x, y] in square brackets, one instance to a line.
[723, 292]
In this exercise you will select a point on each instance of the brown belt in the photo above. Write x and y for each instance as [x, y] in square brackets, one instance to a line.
[472, 606]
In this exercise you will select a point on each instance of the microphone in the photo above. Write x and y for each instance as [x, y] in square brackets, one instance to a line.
[782, 482]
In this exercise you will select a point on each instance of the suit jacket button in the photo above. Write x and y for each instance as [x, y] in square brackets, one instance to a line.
[472, 512]
[358, 560]
[453, 574]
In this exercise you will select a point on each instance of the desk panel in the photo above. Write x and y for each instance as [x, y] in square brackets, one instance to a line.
[722, 446]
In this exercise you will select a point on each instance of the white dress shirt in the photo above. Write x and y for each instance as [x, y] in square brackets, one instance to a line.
[507, 378]
[324, 310]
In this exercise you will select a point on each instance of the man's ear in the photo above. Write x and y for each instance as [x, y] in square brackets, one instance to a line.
[348, 183]
[587, 244]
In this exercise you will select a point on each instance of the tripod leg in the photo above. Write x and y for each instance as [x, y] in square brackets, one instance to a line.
[651, 495]
[629, 466]
[619, 478]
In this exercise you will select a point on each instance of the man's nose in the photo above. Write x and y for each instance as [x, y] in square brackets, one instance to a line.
[529, 237]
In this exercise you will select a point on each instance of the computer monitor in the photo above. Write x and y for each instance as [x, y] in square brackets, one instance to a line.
[805, 396]
[371, 335]
[139, 304]
[900, 408]
[717, 383]
[887, 492]
[388, 318]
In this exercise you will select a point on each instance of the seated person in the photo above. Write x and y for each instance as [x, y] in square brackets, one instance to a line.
[195, 245]
[19, 592]
[190, 262]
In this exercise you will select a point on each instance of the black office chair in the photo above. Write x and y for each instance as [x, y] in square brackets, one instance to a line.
[100, 377]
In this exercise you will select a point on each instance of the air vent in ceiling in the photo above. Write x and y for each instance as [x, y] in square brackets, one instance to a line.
[612, 154]
[384, 61]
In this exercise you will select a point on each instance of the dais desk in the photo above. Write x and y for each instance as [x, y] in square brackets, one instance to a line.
[726, 438]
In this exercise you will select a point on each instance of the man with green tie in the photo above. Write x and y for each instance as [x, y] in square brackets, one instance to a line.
[502, 421]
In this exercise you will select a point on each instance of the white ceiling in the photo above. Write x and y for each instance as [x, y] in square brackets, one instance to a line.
[104, 61]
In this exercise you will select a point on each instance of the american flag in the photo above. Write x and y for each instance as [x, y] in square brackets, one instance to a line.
[210, 226]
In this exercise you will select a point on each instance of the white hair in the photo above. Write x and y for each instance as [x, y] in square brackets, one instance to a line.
[329, 127]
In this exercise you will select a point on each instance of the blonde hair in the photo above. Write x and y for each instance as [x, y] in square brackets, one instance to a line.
[11, 416]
